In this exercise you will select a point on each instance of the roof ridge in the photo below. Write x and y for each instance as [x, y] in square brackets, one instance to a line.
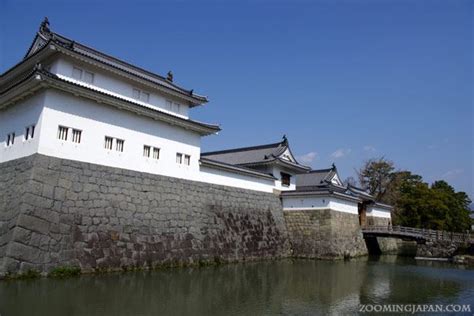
[320, 170]
[225, 151]
[47, 35]
[56, 36]
[356, 187]
[237, 167]
[38, 69]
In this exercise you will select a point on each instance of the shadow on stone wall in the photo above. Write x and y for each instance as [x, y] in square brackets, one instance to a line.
[324, 234]
[58, 212]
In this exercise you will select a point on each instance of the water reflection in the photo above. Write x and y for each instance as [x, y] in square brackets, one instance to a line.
[285, 287]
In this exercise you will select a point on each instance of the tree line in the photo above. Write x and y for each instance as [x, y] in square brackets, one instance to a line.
[416, 203]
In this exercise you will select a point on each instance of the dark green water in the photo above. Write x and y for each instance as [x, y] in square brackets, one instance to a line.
[301, 287]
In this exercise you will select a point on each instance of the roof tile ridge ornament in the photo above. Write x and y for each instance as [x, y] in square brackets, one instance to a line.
[169, 76]
[44, 27]
[37, 71]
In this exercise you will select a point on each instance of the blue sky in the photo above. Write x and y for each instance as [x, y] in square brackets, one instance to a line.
[344, 80]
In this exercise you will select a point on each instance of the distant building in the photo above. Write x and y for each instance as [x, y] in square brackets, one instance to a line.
[323, 189]
[275, 159]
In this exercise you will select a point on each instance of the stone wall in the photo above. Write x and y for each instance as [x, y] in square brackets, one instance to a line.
[14, 177]
[377, 221]
[386, 245]
[324, 234]
[56, 212]
[440, 249]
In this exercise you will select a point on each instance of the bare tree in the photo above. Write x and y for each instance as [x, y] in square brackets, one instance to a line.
[350, 181]
[376, 176]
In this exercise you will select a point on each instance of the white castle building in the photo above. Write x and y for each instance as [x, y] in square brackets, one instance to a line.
[70, 101]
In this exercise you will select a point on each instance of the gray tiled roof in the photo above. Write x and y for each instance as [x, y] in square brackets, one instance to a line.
[314, 177]
[42, 77]
[257, 156]
[319, 182]
[46, 35]
[235, 168]
[359, 191]
[248, 155]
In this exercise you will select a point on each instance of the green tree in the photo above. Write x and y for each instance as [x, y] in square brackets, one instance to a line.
[436, 207]
[456, 204]
[416, 204]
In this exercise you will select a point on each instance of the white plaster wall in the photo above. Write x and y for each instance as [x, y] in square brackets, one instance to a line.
[15, 119]
[319, 202]
[115, 84]
[276, 171]
[336, 180]
[306, 202]
[344, 206]
[222, 177]
[97, 121]
[51, 108]
[287, 156]
[378, 212]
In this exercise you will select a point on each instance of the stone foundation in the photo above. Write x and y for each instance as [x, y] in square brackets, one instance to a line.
[56, 212]
[324, 234]
[440, 249]
[386, 245]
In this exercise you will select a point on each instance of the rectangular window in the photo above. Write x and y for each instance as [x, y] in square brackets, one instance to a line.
[76, 136]
[141, 95]
[285, 179]
[179, 158]
[176, 107]
[108, 143]
[88, 77]
[187, 160]
[136, 94]
[146, 151]
[29, 132]
[145, 96]
[84, 75]
[62, 132]
[77, 73]
[119, 145]
[169, 105]
[10, 139]
[156, 153]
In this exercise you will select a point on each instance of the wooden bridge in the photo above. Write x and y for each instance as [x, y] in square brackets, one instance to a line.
[418, 234]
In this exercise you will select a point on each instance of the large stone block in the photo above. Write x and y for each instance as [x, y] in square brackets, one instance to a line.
[33, 224]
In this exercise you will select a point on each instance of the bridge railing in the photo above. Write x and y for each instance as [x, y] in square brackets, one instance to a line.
[428, 234]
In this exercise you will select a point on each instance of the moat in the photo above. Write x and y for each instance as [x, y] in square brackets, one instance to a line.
[288, 287]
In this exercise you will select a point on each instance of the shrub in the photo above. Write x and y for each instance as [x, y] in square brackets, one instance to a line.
[29, 274]
[65, 272]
